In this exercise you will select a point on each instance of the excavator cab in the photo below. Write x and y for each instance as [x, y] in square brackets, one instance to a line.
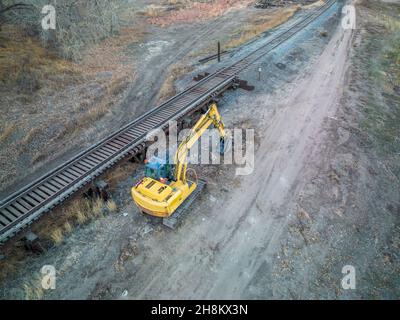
[159, 168]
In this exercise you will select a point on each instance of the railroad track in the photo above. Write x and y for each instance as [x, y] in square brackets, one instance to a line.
[26, 205]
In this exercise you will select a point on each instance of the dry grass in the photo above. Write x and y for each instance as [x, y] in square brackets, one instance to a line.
[57, 236]
[12, 262]
[381, 111]
[67, 227]
[97, 207]
[30, 135]
[111, 206]
[260, 24]
[117, 84]
[192, 11]
[21, 56]
[93, 114]
[174, 2]
[314, 4]
[77, 212]
[7, 131]
[153, 11]
[176, 71]
[108, 55]
[80, 217]
[33, 289]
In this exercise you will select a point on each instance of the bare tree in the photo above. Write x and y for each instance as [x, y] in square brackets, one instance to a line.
[79, 22]
[6, 9]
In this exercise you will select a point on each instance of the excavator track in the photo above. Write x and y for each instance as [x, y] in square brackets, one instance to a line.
[175, 219]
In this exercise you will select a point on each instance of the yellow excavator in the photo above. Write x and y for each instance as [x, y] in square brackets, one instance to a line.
[165, 192]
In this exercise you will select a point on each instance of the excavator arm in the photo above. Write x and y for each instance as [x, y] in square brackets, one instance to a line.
[212, 116]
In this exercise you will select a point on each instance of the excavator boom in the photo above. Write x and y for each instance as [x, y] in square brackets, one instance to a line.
[212, 116]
